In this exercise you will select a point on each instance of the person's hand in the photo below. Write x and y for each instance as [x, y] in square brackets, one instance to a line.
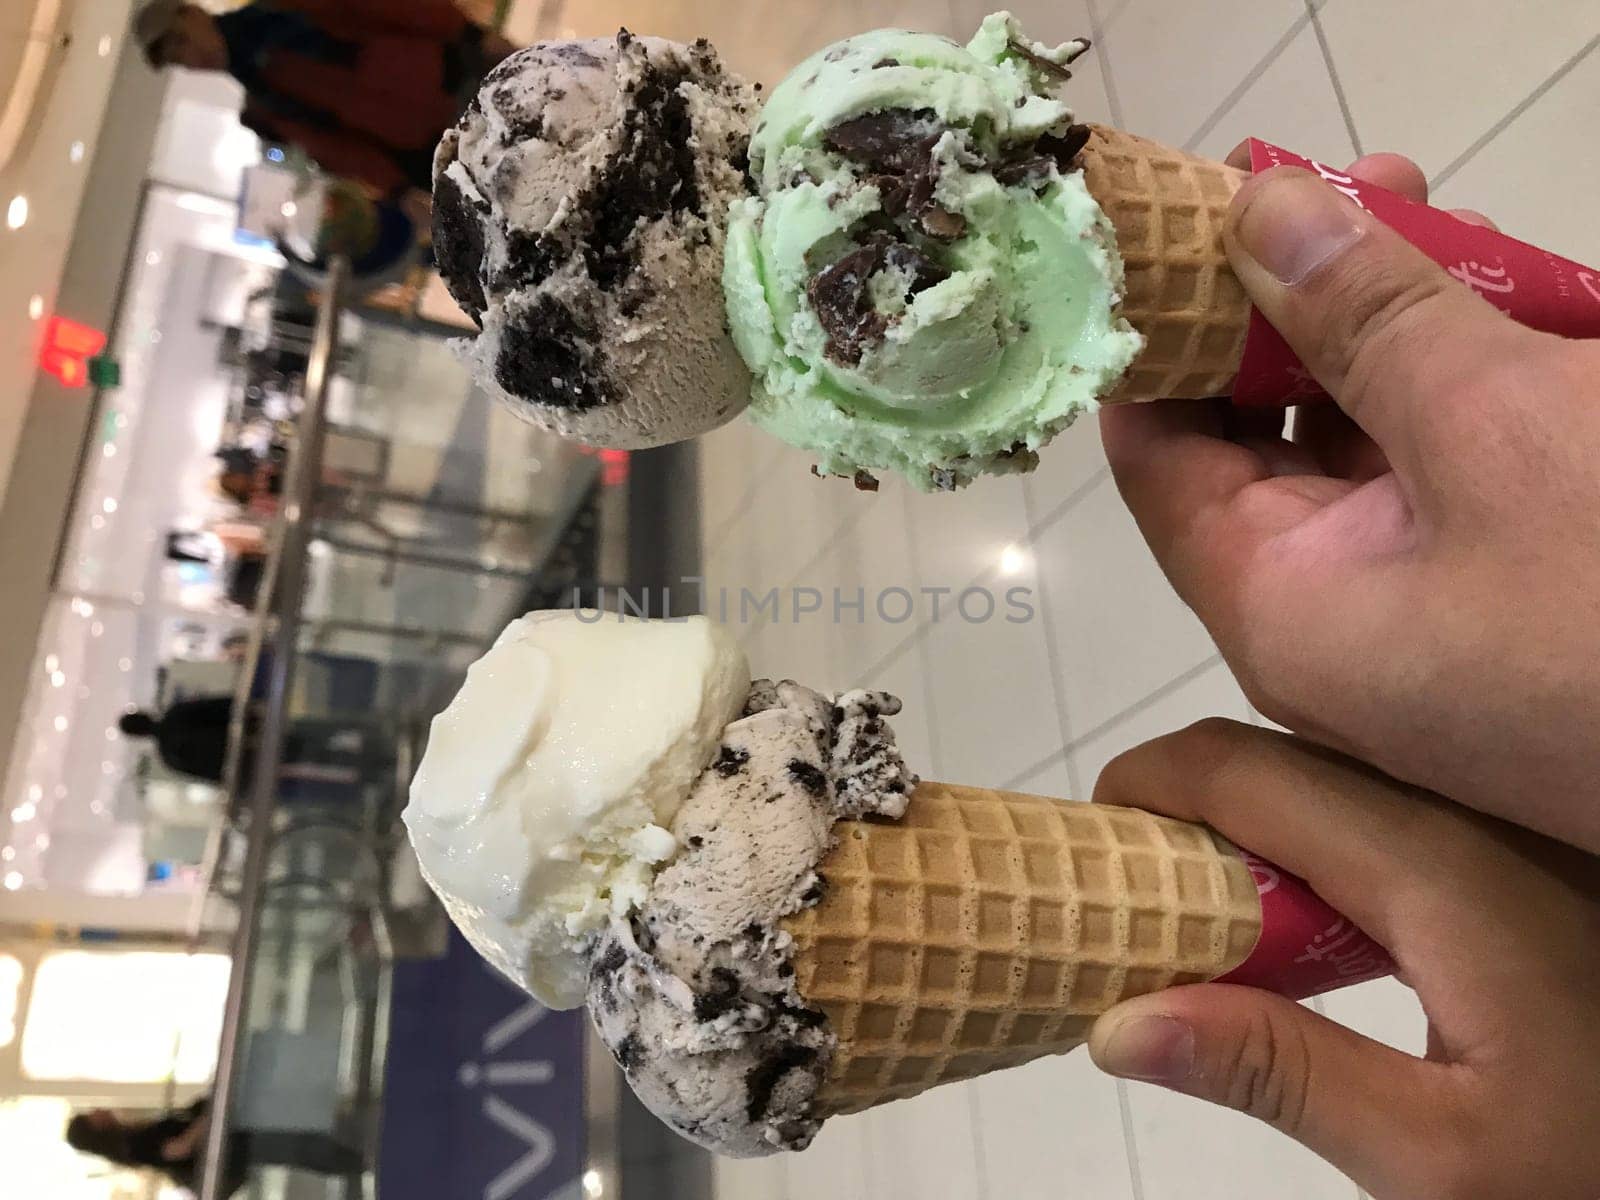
[186, 1145]
[1494, 927]
[1414, 578]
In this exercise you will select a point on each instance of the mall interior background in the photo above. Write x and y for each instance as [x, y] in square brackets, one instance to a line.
[136, 205]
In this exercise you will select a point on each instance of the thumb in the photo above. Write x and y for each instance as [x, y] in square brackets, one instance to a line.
[1359, 1104]
[1379, 324]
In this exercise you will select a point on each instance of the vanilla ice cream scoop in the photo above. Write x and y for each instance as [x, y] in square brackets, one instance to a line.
[542, 805]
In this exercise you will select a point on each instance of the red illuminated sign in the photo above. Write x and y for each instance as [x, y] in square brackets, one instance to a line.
[68, 347]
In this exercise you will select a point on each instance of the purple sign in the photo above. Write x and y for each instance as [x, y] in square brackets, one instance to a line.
[484, 1092]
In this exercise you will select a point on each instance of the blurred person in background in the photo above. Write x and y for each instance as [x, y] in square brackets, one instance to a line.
[364, 87]
[172, 1146]
[254, 481]
[191, 737]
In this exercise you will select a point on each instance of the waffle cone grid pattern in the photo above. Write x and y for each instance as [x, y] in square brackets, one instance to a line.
[986, 929]
[1169, 209]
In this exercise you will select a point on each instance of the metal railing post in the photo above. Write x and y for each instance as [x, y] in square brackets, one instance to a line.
[287, 592]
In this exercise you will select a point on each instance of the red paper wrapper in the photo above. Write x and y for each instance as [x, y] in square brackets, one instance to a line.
[1536, 287]
[1306, 948]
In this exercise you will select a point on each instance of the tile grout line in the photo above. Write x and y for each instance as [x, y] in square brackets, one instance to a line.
[712, 540]
[987, 574]
[831, 541]
[1130, 1141]
[1064, 507]
[1097, 31]
[1110, 723]
[980, 1158]
[1051, 649]
[1315, 7]
[920, 643]
[1037, 768]
[1118, 7]
[1505, 122]
[894, 655]
[1249, 81]
[1133, 710]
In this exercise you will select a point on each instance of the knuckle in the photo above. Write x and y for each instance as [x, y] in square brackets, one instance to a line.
[1199, 753]
[1381, 328]
[1267, 1072]
[1208, 748]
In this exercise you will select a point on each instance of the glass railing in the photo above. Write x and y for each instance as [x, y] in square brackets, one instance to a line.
[401, 543]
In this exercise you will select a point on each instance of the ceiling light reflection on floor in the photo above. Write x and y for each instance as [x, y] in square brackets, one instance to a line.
[1013, 560]
[17, 212]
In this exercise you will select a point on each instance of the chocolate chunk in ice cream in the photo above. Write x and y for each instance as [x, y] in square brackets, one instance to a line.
[842, 295]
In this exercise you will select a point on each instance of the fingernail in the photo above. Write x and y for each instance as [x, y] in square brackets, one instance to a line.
[1155, 1049]
[1294, 223]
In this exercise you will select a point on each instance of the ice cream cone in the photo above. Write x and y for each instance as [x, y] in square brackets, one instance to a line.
[1168, 208]
[989, 928]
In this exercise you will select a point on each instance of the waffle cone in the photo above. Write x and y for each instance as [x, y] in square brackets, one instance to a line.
[1169, 208]
[985, 929]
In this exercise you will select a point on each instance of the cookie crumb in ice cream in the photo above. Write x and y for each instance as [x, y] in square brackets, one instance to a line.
[580, 205]
[730, 761]
[697, 987]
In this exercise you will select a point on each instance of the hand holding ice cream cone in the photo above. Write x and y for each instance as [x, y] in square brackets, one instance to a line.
[1493, 927]
[771, 919]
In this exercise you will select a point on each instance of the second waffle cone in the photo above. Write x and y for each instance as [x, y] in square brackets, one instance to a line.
[1169, 209]
[987, 928]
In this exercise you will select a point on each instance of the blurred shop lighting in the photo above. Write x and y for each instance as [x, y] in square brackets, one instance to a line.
[10, 987]
[67, 348]
[35, 307]
[163, 1001]
[17, 212]
[207, 206]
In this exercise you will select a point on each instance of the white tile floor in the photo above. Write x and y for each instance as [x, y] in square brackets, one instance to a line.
[1488, 96]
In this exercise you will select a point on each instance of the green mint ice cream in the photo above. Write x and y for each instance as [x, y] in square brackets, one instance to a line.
[923, 283]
